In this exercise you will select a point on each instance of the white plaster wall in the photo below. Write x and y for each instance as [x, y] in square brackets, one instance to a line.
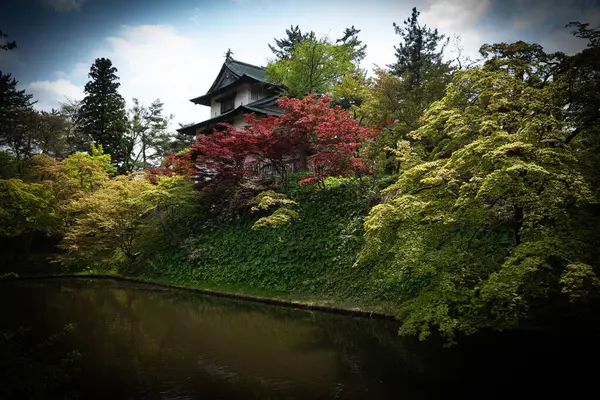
[242, 97]
[238, 122]
[215, 108]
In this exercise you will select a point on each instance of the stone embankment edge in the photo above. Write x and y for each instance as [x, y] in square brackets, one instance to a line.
[216, 293]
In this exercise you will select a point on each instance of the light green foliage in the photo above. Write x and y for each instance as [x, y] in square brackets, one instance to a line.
[111, 220]
[36, 206]
[392, 104]
[351, 91]
[25, 207]
[282, 216]
[108, 220]
[88, 171]
[579, 282]
[316, 66]
[70, 179]
[488, 213]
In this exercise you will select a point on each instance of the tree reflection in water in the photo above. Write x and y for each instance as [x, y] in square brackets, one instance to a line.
[137, 341]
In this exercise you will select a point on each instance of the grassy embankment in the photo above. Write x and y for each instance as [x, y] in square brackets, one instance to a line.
[230, 258]
[269, 263]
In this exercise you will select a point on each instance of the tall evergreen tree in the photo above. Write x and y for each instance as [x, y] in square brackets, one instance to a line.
[350, 40]
[102, 114]
[420, 49]
[147, 134]
[284, 47]
[398, 98]
[15, 105]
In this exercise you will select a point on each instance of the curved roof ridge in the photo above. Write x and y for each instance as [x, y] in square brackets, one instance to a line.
[231, 60]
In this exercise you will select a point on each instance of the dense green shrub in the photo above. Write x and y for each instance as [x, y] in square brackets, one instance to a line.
[330, 229]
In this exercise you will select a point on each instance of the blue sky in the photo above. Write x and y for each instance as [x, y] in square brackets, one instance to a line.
[173, 50]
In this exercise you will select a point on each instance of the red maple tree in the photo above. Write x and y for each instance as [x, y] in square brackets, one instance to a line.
[331, 137]
[309, 135]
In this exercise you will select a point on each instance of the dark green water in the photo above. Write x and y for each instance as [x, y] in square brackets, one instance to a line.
[141, 342]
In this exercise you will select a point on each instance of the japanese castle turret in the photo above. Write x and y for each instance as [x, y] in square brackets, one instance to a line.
[239, 89]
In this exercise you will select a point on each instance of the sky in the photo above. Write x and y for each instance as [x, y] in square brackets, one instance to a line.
[173, 50]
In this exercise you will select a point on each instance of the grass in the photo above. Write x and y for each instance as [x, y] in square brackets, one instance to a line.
[253, 293]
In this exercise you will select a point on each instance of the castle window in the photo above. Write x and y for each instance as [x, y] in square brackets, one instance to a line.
[254, 95]
[227, 104]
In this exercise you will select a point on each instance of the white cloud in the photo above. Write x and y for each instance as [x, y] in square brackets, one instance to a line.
[156, 61]
[457, 17]
[175, 65]
[50, 93]
[65, 5]
[78, 70]
[153, 62]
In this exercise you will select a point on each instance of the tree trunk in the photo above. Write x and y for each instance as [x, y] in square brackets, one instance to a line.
[144, 150]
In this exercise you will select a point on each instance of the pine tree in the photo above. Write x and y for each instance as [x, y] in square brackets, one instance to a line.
[398, 99]
[284, 47]
[350, 40]
[103, 115]
[77, 140]
[15, 106]
[147, 134]
[421, 49]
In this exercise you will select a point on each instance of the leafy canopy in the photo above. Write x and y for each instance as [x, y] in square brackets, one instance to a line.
[283, 215]
[315, 66]
[488, 224]
[111, 219]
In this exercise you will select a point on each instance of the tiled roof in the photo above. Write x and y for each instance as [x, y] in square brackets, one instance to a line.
[241, 68]
[241, 71]
[266, 106]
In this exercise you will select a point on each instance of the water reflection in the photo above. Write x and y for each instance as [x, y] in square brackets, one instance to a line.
[163, 344]
[141, 342]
